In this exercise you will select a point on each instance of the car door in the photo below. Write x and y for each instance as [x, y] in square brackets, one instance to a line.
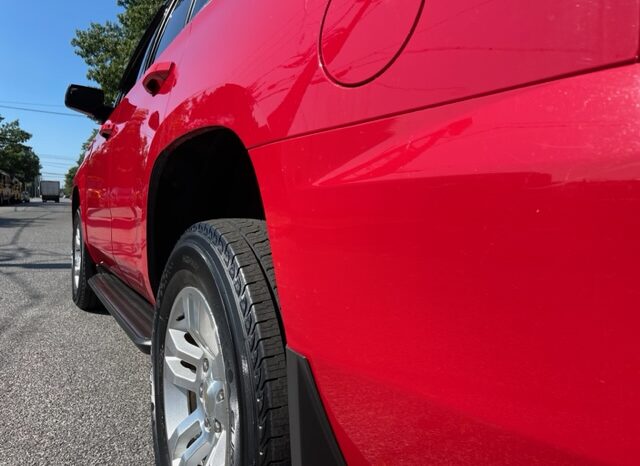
[96, 202]
[140, 115]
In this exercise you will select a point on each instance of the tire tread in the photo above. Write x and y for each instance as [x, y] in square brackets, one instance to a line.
[244, 246]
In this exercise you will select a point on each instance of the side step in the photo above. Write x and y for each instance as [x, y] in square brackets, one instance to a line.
[132, 312]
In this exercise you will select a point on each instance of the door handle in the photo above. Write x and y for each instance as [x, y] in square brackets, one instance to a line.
[107, 129]
[156, 76]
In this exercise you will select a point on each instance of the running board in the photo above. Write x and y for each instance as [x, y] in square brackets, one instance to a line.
[132, 312]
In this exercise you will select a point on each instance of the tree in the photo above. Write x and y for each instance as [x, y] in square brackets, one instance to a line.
[68, 180]
[16, 157]
[106, 48]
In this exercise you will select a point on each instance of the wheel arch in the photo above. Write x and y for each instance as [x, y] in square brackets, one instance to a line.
[209, 165]
[75, 201]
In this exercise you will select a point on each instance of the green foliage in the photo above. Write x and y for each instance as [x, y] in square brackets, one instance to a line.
[102, 49]
[16, 157]
[106, 48]
[68, 180]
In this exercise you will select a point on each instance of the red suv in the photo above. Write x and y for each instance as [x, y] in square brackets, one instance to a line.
[375, 231]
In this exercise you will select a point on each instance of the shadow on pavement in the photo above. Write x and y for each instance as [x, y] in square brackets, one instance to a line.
[43, 265]
[98, 311]
[18, 222]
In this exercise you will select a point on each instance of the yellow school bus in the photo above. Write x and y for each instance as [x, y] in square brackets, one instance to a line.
[16, 190]
[5, 188]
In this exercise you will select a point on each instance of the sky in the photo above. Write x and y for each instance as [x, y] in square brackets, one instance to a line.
[37, 63]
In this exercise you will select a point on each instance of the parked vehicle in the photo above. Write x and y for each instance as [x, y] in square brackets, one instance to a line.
[50, 191]
[5, 188]
[375, 232]
[26, 197]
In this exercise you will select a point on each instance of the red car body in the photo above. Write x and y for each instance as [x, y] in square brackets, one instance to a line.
[452, 194]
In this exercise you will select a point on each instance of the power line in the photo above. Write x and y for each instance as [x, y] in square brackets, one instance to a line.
[57, 157]
[58, 162]
[58, 165]
[33, 104]
[42, 111]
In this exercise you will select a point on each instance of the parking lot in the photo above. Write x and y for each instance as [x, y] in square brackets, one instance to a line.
[74, 389]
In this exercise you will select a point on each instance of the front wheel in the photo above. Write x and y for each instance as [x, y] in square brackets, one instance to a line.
[219, 371]
[82, 269]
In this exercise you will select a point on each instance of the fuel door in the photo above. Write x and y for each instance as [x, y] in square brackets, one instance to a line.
[361, 39]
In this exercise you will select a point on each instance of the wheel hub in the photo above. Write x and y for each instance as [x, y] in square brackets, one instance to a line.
[214, 408]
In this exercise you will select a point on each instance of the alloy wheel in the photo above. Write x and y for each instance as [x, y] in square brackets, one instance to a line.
[195, 387]
[77, 257]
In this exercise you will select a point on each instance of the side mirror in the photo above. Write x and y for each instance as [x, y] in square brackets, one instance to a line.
[87, 100]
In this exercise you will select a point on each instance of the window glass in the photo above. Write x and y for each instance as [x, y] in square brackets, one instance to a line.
[197, 6]
[174, 24]
[138, 58]
[147, 54]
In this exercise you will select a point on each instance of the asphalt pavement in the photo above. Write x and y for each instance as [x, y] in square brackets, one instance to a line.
[73, 388]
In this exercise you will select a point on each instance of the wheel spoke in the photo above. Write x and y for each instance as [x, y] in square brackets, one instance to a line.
[181, 376]
[197, 451]
[178, 351]
[218, 454]
[201, 326]
[178, 346]
[185, 432]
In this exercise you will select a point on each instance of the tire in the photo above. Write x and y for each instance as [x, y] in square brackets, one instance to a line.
[230, 408]
[82, 269]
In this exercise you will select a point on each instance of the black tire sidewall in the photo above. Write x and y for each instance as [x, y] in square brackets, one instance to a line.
[83, 296]
[195, 262]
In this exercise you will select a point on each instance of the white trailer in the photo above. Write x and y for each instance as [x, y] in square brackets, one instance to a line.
[50, 191]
